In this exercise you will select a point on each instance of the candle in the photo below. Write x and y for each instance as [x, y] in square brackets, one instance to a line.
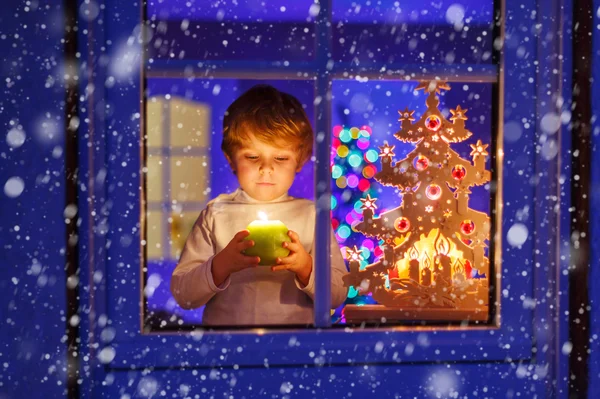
[268, 237]
[368, 216]
[478, 255]
[444, 262]
[426, 273]
[413, 264]
[463, 201]
[458, 276]
[480, 163]
[354, 257]
[389, 259]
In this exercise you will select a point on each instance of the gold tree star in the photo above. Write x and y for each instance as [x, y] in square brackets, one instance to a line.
[368, 203]
[458, 113]
[406, 115]
[432, 85]
[386, 150]
[479, 149]
[354, 254]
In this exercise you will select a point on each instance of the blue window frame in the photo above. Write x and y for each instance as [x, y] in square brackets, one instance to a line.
[523, 331]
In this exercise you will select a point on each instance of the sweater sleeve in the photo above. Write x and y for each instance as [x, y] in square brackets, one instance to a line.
[338, 270]
[192, 284]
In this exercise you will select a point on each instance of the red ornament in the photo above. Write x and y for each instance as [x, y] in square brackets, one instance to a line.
[433, 123]
[421, 163]
[402, 224]
[459, 172]
[467, 227]
[433, 192]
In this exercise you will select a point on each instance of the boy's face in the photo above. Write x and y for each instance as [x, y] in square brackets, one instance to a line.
[265, 172]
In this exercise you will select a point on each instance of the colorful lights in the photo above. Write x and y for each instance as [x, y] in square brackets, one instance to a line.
[336, 171]
[371, 156]
[364, 185]
[363, 143]
[352, 169]
[352, 181]
[369, 171]
[354, 160]
[344, 231]
[341, 182]
[342, 151]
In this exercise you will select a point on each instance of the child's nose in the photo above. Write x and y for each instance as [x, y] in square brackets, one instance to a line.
[266, 167]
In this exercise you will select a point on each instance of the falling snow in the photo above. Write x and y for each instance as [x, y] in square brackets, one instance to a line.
[85, 277]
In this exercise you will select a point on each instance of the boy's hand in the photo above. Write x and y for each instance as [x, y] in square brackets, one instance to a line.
[231, 259]
[298, 261]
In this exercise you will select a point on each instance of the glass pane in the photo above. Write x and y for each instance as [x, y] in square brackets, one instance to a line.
[245, 30]
[155, 118]
[420, 215]
[409, 32]
[155, 233]
[189, 170]
[190, 124]
[181, 225]
[190, 179]
[154, 178]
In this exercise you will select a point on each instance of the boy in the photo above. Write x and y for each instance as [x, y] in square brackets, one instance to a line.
[267, 138]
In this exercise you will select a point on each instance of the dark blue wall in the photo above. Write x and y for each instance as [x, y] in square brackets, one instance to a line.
[32, 227]
[32, 231]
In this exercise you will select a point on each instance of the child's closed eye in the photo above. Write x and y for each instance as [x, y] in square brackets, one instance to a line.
[281, 159]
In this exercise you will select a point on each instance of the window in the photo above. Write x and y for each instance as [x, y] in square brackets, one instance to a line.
[365, 119]
[356, 73]
[532, 255]
[186, 168]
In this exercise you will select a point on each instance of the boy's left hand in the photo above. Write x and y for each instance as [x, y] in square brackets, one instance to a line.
[298, 261]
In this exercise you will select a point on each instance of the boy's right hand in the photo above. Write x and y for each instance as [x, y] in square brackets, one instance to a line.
[231, 259]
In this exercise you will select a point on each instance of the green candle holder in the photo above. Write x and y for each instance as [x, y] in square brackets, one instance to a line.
[268, 237]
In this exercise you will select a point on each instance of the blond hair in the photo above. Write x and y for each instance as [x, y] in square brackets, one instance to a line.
[273, 117]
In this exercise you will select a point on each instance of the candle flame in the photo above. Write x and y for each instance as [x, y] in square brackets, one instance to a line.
[413, 253]
[262, 216]
[458, 267]
[426, 261]
[442, 246]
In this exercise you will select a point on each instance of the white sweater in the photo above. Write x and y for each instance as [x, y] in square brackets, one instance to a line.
[253, 296]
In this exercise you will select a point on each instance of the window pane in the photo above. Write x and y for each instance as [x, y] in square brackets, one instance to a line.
[189, 124]
[155, 233]
[190, 179]
[434, 241]
[245, 30]
[154, 178]
[186, 169]
[409, 32]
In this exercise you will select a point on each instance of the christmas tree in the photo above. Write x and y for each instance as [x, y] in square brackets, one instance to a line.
[433, 238]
